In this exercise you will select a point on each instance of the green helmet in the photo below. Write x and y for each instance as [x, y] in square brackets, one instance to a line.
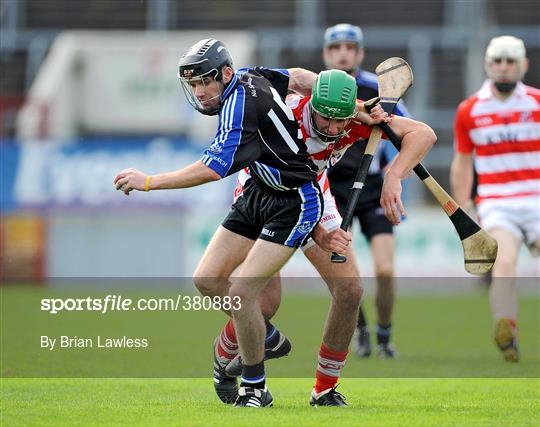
[334, 94]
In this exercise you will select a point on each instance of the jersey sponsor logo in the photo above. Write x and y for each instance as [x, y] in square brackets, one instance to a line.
[267, 232]
[505, 133]
[483, 121]
[220, 161]
[251, 87]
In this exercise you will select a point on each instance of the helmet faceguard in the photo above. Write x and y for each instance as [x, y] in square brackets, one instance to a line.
[201, 65]
[333, 96]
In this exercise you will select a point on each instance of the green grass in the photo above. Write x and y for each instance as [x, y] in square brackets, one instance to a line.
[449, 372]
[436, 336]
[192, 402]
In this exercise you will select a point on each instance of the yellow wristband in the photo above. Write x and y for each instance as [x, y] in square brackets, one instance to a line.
[147, 183]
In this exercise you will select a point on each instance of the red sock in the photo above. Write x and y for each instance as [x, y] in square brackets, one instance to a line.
[328, 368]
[226, 345]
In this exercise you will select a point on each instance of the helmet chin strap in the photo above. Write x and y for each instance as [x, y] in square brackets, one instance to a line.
[505, 87]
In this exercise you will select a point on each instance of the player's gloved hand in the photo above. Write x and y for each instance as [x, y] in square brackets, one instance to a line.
[130, 179]
[332, 241]
[391, 198]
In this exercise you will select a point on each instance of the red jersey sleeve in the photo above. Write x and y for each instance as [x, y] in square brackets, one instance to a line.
[462, 140]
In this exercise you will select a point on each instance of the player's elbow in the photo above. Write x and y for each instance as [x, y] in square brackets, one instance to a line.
[428, 134]
[301, 80]
[213, 175]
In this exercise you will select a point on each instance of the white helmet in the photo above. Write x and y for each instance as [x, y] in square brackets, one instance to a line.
[506, 47]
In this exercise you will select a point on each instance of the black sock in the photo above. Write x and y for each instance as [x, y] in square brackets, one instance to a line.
[272, 335]
[253, 376]
[383, 334]
[362, 321]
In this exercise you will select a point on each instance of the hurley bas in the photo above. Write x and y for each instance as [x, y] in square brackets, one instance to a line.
[99, 342]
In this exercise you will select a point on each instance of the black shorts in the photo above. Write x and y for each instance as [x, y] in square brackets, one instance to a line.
[371, 217]
[284, 217]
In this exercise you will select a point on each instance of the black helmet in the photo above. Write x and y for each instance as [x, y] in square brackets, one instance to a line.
[204, 59]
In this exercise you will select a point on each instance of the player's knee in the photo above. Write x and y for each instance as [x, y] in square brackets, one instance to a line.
[348, 293]
[202, 284]
[210, 286]
[384, 271]
[505, 266]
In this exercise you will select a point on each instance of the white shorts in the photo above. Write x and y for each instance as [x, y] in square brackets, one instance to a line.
[520, 216]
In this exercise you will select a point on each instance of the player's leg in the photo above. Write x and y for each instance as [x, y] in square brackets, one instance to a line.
[263, 261]
[222, 256]
[378, 230]
[501, 218]
[503, 294]
[361, 339]
[225, 252]
[276, 344]
[344, 284]
[382, 247]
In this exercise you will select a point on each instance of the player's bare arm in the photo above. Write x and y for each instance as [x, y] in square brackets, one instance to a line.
[301, 80]
[461, 179]
[417, 140]
[195, 174]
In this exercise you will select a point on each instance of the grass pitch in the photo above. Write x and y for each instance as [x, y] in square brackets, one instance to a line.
[192, 402]
[449, 372]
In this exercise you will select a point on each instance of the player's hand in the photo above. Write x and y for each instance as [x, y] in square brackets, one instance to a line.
[130, 179]
[391, 199]
[332, 241]
[378, 115]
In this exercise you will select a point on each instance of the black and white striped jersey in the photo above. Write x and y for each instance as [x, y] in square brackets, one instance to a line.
[257, 129]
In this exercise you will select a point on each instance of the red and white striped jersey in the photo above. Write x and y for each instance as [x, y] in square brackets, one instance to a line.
[505, 139]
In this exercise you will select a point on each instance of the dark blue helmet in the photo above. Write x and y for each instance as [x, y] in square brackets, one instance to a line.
[204, 59]
[343, 33]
